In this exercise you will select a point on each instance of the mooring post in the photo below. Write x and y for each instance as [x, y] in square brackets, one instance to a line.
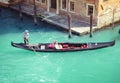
[91, 17]
[0, 9]
[69, 24]
[119, 31]
[113, 25]
[35, 14]
[20, 10]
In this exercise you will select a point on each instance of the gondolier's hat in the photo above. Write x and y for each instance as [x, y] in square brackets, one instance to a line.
[26, 31]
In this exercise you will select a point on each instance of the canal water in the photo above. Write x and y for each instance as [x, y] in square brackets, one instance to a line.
[22, 66]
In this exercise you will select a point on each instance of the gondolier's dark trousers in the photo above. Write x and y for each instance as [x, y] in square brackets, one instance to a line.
[26, 40]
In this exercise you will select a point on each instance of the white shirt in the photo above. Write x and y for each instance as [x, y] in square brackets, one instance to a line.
[26, 35]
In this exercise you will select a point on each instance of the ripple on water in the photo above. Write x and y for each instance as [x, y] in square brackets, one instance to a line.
[22, 66]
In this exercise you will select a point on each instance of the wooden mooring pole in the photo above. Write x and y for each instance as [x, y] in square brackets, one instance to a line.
[20, 10]
[119, 31]
[0, 9]
[113, 25]
[35, 14]
[69, 24]
[91, 17]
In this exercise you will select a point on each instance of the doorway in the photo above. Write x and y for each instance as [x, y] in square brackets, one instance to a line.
[53, 4]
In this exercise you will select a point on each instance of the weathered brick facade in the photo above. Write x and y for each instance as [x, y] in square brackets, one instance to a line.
[104, 11]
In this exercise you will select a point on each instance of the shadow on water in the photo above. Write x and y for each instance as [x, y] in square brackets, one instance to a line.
[11, 23]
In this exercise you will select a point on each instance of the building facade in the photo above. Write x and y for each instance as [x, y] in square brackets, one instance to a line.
[104, 12]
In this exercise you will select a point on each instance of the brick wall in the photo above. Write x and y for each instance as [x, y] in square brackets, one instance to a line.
[81, 8]
[103, 10]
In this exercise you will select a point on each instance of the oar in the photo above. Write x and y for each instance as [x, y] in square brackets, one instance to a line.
[34, 51]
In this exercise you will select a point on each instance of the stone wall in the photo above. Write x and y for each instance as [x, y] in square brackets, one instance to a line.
[109, 17]
[103, 10]
[109, 12]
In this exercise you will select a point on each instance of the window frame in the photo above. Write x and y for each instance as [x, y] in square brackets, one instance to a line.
[43, 2]
[87, 7]
[70, 7]
[62, 6]
[38, 1]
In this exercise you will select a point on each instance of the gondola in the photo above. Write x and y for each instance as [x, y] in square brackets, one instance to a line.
[63, 47]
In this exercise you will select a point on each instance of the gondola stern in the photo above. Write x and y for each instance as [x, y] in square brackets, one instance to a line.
[114, 41]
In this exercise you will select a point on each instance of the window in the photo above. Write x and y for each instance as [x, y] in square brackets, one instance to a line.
[72, 6]
[64, 4]
[90, 9]
[38, 0]
[43, 1]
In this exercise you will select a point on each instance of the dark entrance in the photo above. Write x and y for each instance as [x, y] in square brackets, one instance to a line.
[53, 4]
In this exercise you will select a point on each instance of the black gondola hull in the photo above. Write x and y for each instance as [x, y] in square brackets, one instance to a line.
[66, 47]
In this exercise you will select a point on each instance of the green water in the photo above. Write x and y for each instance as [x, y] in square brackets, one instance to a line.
[22, 66]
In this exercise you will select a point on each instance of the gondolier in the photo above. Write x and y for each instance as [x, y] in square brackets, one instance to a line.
[26, 36]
